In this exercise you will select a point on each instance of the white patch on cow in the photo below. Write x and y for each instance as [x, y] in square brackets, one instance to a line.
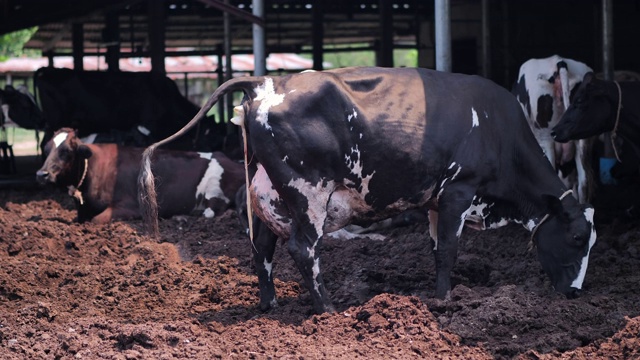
[360, 135]
[208, 213]
[474, 116]
[530, 225]
[316, 265]
[301, 162]
[317, 199]
[264, 199]
[474, 214]
[89, 139]
[356, 168]
[577, 283]
[209, 186]
[352, 116]
[207, 156]
[5, 112]
[268, 98]
[144, 130]
[500, 223]
[60, 138]
[344, 234]
[449, 179]
[285, 158]
[433, 227]
[269, 267]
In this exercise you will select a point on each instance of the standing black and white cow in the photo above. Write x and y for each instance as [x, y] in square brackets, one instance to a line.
[357, 145]
[102, 178]
[544, 90]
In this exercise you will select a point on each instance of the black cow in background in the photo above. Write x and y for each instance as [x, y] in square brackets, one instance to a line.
[19, 107]
[126, 108]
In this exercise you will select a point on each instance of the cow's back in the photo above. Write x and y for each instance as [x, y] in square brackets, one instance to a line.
[367, 128]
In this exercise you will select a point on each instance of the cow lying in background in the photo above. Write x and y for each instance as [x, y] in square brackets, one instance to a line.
[19, 108]
[357, 145]
[136, 108]
[544, 89]
[604, 106]
[102, 179]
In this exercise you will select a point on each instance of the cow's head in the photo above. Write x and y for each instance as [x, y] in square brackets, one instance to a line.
[564, 240]
[65, 158]
[592, 112]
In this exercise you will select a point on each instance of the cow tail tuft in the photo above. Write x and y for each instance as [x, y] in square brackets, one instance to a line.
[147, 197]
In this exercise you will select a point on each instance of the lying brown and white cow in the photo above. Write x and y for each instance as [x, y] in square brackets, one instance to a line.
[103, 179]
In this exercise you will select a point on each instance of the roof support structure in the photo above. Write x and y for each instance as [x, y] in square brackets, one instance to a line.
[607, 64]
[317, 35]
[486, 40]
[259, 53]
[443, 35]
[111, 36]
[156, 35]
[385, 48]
[77, 35]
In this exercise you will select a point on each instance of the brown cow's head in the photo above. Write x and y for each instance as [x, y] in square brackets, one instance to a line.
[65, 160]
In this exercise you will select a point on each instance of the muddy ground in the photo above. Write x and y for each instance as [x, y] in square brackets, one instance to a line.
[83, 291]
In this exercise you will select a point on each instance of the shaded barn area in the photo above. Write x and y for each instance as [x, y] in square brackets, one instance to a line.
[71, 290]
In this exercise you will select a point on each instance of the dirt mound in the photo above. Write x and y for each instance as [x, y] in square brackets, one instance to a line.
[70, 290]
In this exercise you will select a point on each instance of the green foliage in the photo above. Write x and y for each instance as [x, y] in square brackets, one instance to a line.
[11, 44]
[401, 58]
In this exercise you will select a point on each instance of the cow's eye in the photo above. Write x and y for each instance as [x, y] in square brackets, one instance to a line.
[64, 153]
[578, 240]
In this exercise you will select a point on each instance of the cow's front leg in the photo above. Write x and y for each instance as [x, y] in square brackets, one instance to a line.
[304, 246]
[264, 245]
[453, 204]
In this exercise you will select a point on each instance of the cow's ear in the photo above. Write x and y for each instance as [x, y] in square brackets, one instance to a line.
[84, 152]
[554, 206]
[589, 77]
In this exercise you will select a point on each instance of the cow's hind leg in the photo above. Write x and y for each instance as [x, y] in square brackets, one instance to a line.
[264, 245]
[304, 246]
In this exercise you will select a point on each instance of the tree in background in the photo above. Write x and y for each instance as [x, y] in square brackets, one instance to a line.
[401, 58]
[12, 44]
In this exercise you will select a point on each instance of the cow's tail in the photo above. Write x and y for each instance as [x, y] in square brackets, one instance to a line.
[147, 197]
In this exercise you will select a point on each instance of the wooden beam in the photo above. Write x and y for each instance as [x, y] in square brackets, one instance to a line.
[220, 5]
[77, 40]
[157, 35]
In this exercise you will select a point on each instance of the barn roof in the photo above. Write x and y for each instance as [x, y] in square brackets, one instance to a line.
[198, 24]
[196, 66]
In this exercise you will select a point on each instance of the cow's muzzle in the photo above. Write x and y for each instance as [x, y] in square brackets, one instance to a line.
[42, 176]
[573, 293]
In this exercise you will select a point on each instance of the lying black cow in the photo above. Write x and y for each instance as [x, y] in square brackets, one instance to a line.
[357, 145]
[146, 106]
[19, 107]
[102, 178]
[601, 106]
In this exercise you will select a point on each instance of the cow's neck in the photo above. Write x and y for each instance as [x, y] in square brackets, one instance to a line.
[75, 190]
